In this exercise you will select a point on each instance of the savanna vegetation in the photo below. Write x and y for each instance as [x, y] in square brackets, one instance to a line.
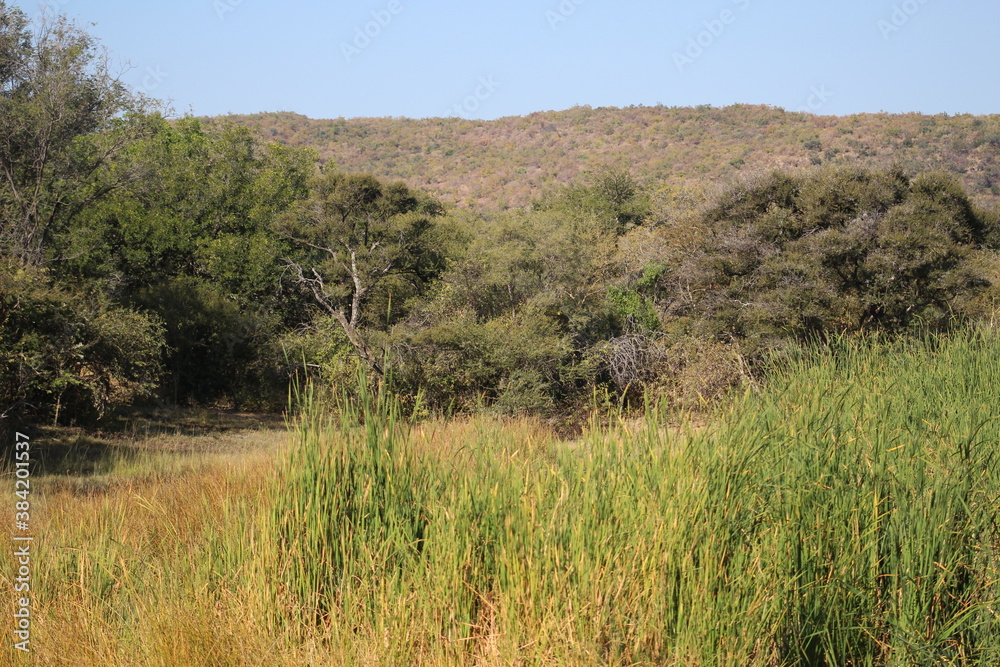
[506, 163]
[187, 262]
[844, 513]
[567, 413]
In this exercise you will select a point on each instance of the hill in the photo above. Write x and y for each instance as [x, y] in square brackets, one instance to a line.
[511, 161]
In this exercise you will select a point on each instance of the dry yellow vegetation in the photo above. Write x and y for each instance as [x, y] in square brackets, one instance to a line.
[510, 162]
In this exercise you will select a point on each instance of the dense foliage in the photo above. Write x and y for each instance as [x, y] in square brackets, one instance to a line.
[195, 261]
[69, 352]
[838, 249]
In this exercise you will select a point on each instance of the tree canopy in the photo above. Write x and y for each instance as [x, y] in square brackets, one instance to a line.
[181, 260]
[64, 117]
[355, 236]
[838, 249]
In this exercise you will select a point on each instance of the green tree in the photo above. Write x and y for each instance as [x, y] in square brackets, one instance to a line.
[67, 354]
[192, 242]
[838, 249]
[355, 236]
[203, 206]
[64, 117]
[215, 349]
[517, 320]
[614, 197]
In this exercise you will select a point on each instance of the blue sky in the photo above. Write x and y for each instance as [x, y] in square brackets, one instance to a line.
[418, 58]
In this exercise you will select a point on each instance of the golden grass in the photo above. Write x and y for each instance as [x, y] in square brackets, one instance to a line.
[845, 515]
[147, 561]
[138, 563]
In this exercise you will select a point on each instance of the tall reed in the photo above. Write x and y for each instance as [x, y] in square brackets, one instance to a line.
[843, 516]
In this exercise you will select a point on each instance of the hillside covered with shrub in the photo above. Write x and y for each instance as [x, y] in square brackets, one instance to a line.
[546, 265]
[508, 162]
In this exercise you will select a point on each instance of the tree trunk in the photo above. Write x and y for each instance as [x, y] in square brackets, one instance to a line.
[360, 344]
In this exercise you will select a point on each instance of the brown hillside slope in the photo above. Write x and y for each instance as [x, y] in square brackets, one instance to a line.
[511, 161]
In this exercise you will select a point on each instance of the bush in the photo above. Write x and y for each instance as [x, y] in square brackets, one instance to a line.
[512, 364]
[70, 356]
[840, 249]
[216, 351]
[321, 352]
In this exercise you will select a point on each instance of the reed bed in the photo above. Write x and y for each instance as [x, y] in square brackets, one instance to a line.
[846, 515]
[842, 514]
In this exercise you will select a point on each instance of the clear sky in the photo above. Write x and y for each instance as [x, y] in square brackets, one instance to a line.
[420, 58]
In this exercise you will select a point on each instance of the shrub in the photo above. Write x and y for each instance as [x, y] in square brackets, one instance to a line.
[515, 363]
[215, 350]
[832, 250]
[68, 355]
[321, 351]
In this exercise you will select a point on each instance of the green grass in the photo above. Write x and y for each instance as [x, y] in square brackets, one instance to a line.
[842, 514]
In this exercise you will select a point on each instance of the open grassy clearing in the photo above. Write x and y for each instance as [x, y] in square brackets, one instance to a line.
[844, 515]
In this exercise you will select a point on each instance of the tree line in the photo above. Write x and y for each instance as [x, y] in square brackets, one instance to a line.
[154, 260]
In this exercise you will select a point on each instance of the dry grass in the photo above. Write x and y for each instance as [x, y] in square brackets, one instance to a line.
[137, 557]
[845, 515]
[146, 541]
